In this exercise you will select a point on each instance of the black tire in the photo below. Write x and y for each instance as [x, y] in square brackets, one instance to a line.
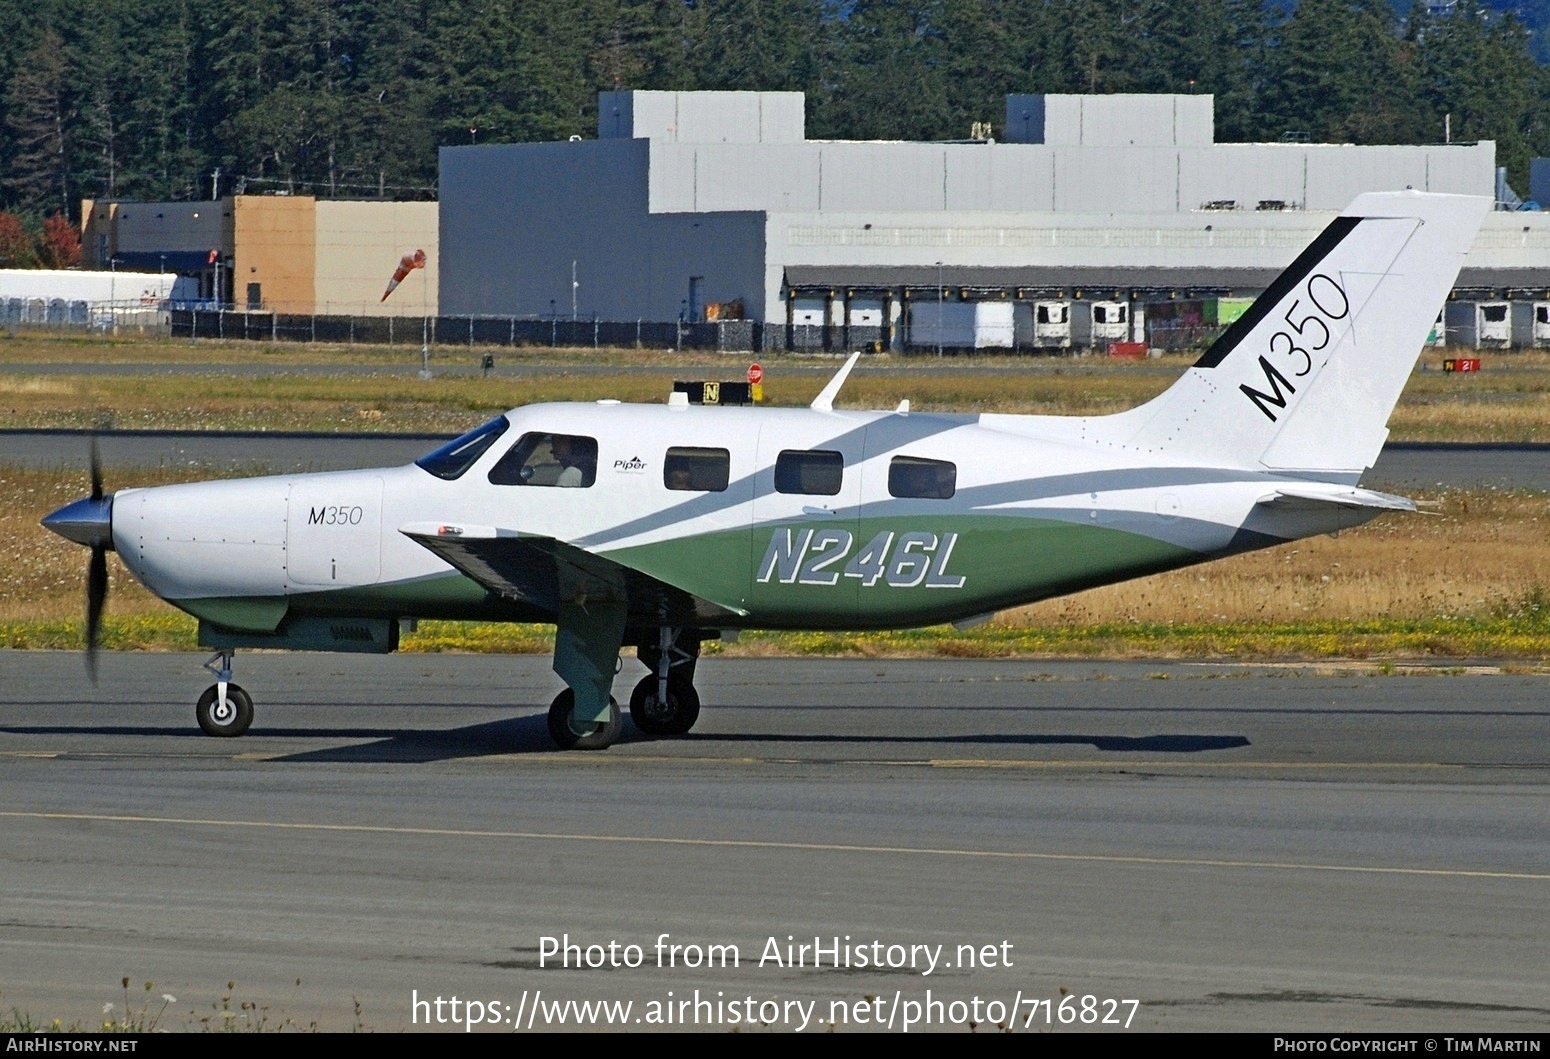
[674, 717]
[567, 738]
[238, 715]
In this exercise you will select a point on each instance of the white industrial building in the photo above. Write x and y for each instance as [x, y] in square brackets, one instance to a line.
[709, 205]
[76, 298]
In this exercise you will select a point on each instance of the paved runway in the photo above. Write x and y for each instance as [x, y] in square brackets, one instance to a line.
[1254, 848]
[1404, 467]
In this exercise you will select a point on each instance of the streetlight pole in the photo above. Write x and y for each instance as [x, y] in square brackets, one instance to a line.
[939, 295]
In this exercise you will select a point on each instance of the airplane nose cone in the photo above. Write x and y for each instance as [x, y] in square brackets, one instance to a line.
[88, 521]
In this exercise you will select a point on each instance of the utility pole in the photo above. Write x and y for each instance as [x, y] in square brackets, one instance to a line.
[939, 294]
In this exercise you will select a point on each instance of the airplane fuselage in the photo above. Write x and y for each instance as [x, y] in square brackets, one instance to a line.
[1017, 517]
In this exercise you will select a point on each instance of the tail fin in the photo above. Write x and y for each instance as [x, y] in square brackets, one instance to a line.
[1304, 382]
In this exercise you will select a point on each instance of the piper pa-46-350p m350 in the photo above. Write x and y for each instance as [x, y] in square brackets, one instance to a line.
[659, 527]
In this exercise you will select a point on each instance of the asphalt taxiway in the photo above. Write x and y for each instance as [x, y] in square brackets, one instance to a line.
[1233, 847]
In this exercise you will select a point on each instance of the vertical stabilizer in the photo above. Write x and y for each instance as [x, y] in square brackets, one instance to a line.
[1304, 382]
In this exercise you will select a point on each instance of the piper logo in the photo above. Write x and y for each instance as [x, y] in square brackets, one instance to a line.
[633, 465]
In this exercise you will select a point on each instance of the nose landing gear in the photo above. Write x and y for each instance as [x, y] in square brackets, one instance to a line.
[224, 709]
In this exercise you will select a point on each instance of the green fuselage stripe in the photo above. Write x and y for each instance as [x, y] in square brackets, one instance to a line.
[874, 573]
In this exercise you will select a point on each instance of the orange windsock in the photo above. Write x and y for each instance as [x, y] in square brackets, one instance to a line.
[406, 264]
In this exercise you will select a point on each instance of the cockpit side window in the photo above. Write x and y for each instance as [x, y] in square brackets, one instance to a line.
[568, 461]
[456, 456]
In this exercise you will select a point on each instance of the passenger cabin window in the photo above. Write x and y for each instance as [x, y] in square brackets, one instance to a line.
[911, 476]
[456, 456]
[567, 461]
[816, 472]
[697, 470]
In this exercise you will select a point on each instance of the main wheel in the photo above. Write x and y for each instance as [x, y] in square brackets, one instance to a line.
[601, 737]
[673, 717]
[229, 720]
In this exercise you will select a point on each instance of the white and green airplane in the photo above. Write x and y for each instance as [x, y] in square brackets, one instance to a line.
[659, 527]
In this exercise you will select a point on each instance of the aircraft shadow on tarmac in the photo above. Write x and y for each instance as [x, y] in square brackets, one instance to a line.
[529, 735]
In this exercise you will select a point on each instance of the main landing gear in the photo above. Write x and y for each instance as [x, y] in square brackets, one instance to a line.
[570, 734]
[224, 709]
[665, 703]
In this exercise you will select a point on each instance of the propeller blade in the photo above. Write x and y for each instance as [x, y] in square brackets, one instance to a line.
[96, 598]
[96, 470]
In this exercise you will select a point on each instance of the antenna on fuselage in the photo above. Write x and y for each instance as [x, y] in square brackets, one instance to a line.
[824, 402]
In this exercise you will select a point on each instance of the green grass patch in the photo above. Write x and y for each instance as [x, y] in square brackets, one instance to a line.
[1435, 637]
[1519, 634]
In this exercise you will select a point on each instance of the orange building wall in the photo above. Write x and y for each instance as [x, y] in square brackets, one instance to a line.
[275, 240]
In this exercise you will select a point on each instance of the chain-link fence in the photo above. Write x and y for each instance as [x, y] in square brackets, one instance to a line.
[1173, 336]
[57, 314]
[722, 335]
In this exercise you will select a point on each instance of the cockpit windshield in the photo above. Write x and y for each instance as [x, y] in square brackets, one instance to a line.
[456, 456]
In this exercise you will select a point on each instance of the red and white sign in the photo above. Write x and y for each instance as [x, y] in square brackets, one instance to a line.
[755, 374]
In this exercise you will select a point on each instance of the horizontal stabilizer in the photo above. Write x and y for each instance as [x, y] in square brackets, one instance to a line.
[1293, 497]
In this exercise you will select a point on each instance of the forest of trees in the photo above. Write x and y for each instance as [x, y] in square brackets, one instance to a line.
[112, 98]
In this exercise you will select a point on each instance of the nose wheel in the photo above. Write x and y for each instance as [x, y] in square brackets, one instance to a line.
[227, 718]
[224, 709]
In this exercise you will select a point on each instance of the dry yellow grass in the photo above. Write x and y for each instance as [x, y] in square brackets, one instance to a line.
[1478, 554]
[1508, 401]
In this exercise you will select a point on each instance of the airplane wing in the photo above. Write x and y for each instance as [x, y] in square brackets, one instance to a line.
[544, 572]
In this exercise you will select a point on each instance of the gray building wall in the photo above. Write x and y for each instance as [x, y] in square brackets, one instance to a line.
[702, 117]
[723, 185]
[514, 217]
[928, 177]
[1121, 120]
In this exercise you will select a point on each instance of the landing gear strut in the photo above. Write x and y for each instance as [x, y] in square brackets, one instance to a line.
[665, 702]
[224, 709]
[587, 638]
